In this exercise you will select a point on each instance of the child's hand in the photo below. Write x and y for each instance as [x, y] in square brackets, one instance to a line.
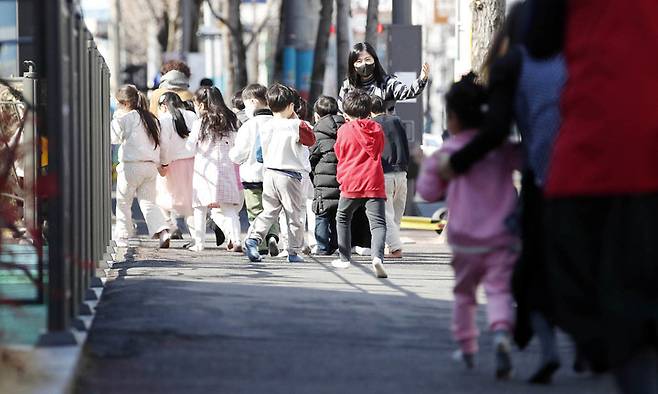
[214, 205]
[445, 170]
[162, 171]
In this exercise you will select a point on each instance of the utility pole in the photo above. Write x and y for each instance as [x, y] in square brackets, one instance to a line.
[401, 12]
[115, 34]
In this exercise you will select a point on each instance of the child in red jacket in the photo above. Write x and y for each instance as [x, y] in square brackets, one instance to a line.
[359, 148]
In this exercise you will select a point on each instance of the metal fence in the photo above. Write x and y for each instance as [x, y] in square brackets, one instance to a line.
[71, 194]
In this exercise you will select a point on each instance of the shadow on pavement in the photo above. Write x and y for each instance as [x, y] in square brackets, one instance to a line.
[209, 332]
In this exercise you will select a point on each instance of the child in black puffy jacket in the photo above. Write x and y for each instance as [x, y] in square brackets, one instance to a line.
[323, 170]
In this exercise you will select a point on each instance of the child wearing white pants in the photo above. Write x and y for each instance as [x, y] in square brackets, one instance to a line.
[136, 131]
[216, 181]
[227, 218]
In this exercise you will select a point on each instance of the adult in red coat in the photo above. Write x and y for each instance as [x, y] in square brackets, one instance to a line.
[602, 190]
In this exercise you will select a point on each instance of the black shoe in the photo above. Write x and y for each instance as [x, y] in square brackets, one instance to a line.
[544, 375]
[503, 359]
[580, 365]
[219, 234]
[325, 252]
[177, 234]
[273, 247]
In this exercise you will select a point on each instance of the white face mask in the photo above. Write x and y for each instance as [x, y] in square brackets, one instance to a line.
[249, 109]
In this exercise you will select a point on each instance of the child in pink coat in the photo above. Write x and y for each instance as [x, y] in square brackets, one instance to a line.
[479, 202]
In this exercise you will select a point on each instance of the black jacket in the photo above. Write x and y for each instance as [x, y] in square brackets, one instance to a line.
[324, 162]
[395, 157]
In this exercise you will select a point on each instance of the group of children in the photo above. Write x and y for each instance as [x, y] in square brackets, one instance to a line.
[190, 162]
[194, 162]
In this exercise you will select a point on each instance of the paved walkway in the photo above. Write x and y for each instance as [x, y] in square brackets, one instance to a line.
[176, 322]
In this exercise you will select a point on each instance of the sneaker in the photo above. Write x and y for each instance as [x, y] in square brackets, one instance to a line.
[324, 252]
[251, 250]
[378, 267]
[362, 251]
[177, 234]
[503, 349]
[164, 239]
[293, 258]
[396, 254]
[338, 263]
[273, 247]
[466, 358]
[196, 247]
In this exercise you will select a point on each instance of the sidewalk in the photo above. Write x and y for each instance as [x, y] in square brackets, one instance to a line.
[172, 321]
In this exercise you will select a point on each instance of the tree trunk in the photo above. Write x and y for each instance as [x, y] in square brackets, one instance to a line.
[488, 16]
[372, 22]
[342, 39]
[320, 54]
[238, 49]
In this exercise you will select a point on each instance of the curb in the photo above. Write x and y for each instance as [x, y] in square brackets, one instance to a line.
[51, 370]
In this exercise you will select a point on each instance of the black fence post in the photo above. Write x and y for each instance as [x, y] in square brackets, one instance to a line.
[55, 16]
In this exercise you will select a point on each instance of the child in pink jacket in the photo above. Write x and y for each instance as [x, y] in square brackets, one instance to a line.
[479, 202]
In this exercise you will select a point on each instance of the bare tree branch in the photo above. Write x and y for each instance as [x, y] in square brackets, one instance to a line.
[220, 18]
[256, 33]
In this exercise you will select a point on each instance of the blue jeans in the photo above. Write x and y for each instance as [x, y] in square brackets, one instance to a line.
[325, 232]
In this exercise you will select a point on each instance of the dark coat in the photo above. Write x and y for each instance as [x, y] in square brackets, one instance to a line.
[324, 163]
[395, 157]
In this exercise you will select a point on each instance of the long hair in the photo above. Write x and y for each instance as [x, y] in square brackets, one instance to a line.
[511, 32]
[129, 96]
[217, 120]
[352, 75]
[175, 106]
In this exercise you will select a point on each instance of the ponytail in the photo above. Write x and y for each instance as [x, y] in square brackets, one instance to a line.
[174, 105]
[129, 96]
[151, 124]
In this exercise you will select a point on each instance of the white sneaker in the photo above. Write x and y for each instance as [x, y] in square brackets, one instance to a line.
[165, 238]
[378, 266]
[196, 247]
[362, 251]
[338, 263]
[461, 357]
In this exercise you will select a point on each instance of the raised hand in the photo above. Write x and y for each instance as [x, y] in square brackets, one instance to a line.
[425, 71]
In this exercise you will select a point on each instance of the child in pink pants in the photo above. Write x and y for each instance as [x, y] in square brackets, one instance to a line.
[479, 202]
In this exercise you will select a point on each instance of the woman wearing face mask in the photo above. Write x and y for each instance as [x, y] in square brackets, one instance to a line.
[366, 72]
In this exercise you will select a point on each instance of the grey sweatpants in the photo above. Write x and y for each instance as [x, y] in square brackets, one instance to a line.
[376, 212]
[281, 192]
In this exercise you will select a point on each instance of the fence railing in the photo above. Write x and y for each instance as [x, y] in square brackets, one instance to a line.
[78, 126]
[66, 92]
